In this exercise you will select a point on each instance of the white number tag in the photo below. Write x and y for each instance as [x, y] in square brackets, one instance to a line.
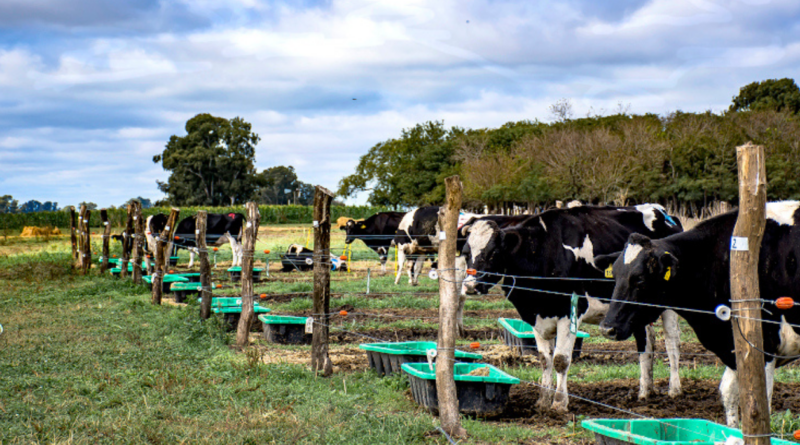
[309, 325]
[739, 243]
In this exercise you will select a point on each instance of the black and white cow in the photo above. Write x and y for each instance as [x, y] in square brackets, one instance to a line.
[220, 229]
[691, 271]
[564, 243]
[417, 237]
[377, 232]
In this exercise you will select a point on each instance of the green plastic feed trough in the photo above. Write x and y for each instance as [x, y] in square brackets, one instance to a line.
[166, 283]
[519, 335]
[183, 289]
[485, 394]
[662, 432]
[236, 273]
[386, 358]
[285, 329]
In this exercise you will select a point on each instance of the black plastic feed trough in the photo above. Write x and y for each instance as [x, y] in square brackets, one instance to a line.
[236, 273]
[387, 358]
[284, 329]
[481, 389]
[519, 335]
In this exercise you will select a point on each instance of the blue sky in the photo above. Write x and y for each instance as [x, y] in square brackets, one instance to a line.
[91, 90]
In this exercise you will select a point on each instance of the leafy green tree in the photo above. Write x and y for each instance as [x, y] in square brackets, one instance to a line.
[408, 171]
[279, 185]
[146, 203]
[36, 206]
[772, 94]
[212, 165]
[8, 204]
[89, 205]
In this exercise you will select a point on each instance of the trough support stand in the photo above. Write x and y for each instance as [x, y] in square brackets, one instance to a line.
[205, 267]
[126, 236]
[138, 240]
[745, 294]
[448, 308]
[106, 239]
[320, 361]
[73, 235]
[87, 243]
[248, 257]
[161, 253]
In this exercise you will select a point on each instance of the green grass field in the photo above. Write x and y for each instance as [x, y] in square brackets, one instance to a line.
[89, 360]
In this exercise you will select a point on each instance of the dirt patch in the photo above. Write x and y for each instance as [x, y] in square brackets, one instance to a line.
[344, 358]
[701, 396]
[404, 334]
[692, 354]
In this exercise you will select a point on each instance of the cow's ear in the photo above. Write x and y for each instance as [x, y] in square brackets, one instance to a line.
[465, 229]
[638, 238]
[511, 241]
[669, 265]
[605, 263]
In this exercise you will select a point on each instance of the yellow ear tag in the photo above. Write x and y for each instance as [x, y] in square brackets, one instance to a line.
[363, 226]
[458, 253]
[610, 271]
[668, 274]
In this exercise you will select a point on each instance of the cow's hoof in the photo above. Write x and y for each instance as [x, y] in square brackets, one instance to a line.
[644, 395]
[560, 408]
[544, 403]
[675, 392]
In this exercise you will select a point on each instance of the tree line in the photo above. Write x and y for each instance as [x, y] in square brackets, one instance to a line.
[683, 160]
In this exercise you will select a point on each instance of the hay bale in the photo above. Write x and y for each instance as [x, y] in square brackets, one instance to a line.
[32, 231]
[342, 221]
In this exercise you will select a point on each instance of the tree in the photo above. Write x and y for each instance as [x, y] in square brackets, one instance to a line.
[89, 205]
[772, 94]
[8, 204]
[212, 165]
[146, 203]
[408, 171]
[36, 206]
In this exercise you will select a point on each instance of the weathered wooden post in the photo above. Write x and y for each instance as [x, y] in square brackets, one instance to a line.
[79, 227]
[320, 361]
[126, 239]
[448, 308]
[745, 296]
[73, 234]
[248, 257]
[106, 240]
[205, 267]
[87, 243]
[138, 242]
[162, 240]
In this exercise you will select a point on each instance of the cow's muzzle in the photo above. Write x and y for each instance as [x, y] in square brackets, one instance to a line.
[608, 332]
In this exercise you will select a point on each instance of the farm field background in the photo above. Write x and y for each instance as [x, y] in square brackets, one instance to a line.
[90, 360]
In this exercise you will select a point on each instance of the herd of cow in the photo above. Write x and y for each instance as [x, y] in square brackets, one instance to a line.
[540, 261]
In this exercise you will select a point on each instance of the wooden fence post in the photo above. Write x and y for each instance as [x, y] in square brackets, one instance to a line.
[745, 296]
[448, 308]
[87, 243]
[138, 240]
[73, 235]
[162, 240]
[205, 267]
[126, 239]
[248, 251]
[320, 361]
[106, 240]
[79, 228]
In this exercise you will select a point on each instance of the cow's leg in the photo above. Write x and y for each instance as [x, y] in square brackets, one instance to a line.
[770, 372]
[729, 388]
[545, 343]
[191, 250]
[461, 274]
[645, 339]
[412, 264]
[237, 255]
[418, 269]
[565, 343]
[168, 253]
[401, 259]
[672, 333]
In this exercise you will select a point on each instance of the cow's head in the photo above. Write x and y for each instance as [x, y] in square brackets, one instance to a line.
[354, 229]
[643, 272]
[483, 251]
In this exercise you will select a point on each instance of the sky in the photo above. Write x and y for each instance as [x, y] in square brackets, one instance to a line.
[90, 91]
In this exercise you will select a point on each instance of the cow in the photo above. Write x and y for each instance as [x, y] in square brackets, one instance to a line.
[563, 243]
[220, 229]
[416, 238]
[690, 272]
[377, 232]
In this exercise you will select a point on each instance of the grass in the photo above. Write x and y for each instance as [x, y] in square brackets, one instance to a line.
[89, 360]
